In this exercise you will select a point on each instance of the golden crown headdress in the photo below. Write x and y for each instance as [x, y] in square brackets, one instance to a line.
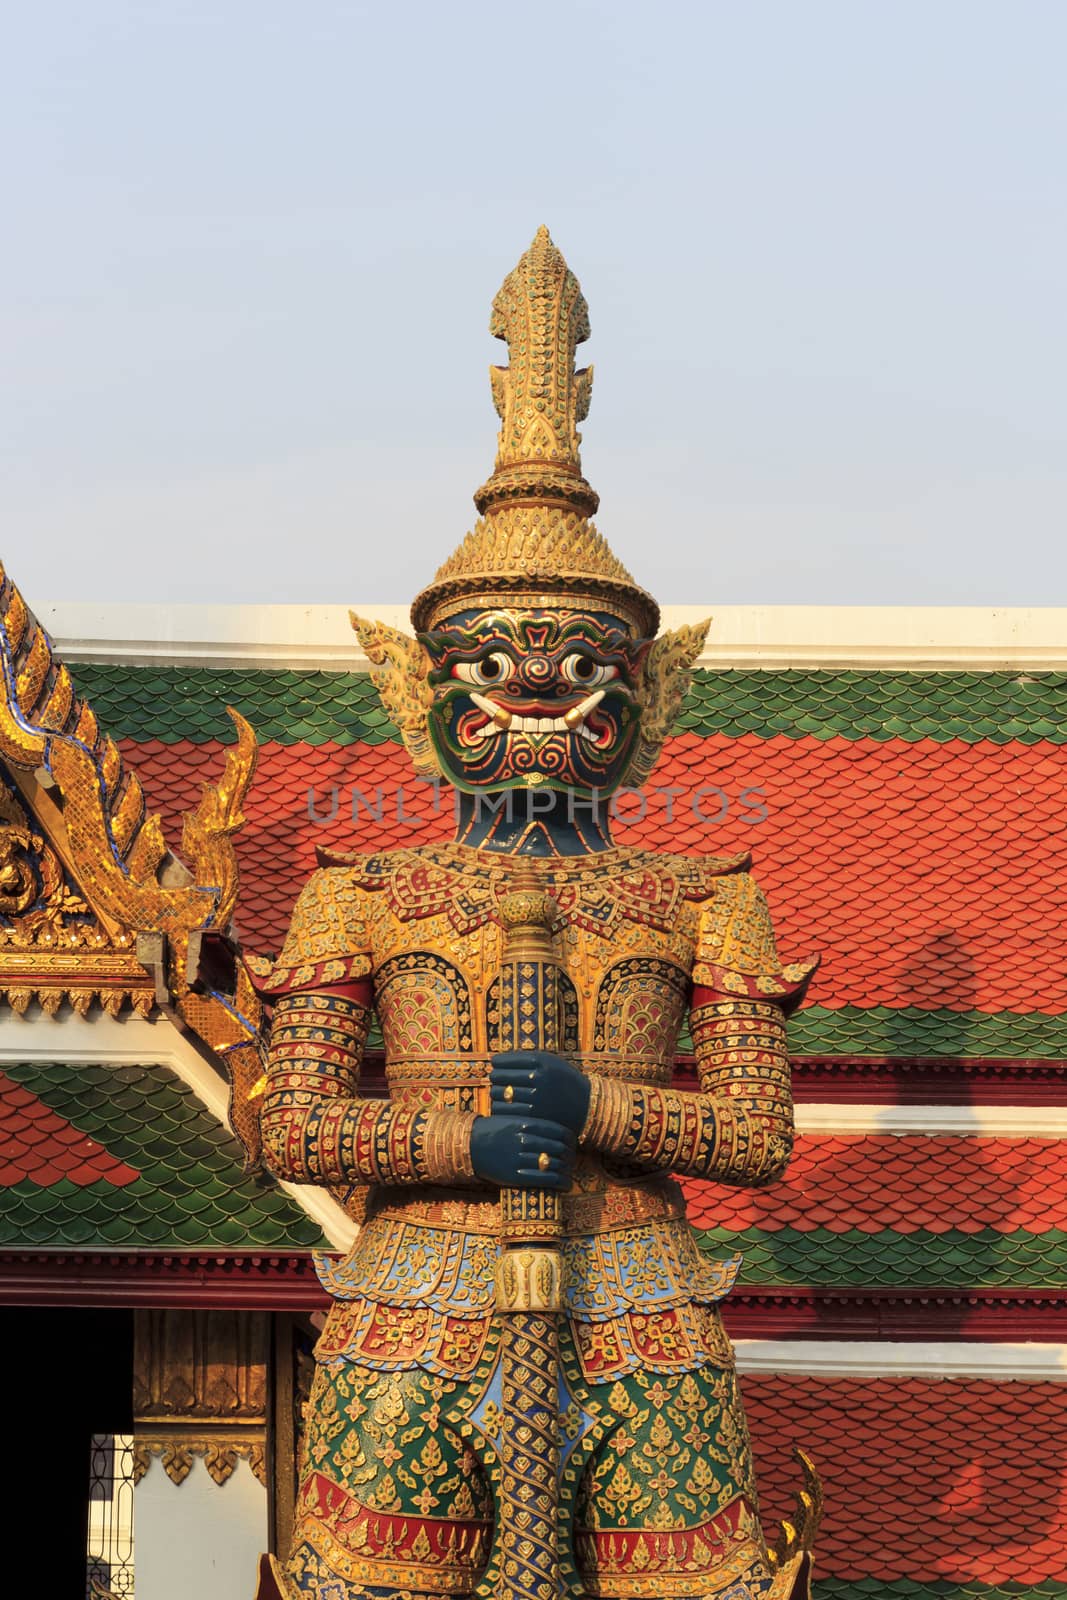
[534, 538]
[534, 545]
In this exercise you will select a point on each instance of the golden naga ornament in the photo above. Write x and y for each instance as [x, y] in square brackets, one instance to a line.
[524, 1390]
[94, 909]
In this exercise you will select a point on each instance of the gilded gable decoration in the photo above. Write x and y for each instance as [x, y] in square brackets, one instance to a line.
[93, 907]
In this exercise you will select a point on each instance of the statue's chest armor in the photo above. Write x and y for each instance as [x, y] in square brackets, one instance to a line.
[624, 946]
[432, 1001]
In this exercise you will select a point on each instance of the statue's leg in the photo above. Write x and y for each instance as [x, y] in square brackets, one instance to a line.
[667, 1506]
[390, 1498]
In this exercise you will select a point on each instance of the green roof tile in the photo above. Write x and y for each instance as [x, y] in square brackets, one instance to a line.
[191, 1192]
[913, 1031]
[170, 703]
[999, 706]
[986, 1259]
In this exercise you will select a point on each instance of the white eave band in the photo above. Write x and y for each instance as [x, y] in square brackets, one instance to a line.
[901, 637]
[858, 1359]
[988, 1122]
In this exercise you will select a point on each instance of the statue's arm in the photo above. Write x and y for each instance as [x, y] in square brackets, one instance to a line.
[316, 1127]
[738, 1127]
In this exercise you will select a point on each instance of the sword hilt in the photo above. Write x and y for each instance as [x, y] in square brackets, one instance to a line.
[529, 1276]
[529, 1281]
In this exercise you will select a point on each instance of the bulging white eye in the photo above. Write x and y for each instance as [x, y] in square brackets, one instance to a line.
[586, 673]
[490, 669]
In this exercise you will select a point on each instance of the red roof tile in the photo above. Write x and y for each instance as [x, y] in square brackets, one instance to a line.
[38, 1146]
[925, 1479]
[928, 874]
[904, 1183]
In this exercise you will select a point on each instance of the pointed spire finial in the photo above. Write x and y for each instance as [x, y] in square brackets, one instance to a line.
[534, 537]
[541, 314]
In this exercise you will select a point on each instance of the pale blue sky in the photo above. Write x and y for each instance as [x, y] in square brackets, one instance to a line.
[250, 251]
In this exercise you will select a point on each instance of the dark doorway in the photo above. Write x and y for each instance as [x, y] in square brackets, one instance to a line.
[67, 1375]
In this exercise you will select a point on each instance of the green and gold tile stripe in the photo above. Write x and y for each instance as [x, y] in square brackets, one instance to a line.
[910, 1031]
[284, 707]
[888, 1260]
[313, 707]
[913, 1031]
[999, 706]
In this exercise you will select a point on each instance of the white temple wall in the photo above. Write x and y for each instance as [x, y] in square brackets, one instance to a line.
[199, 1540]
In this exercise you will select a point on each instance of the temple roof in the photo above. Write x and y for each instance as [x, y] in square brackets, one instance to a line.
[943, 1488]
[108, 1156]
[889, 1211]
[904, 809]
[912, 829]
[905, 822]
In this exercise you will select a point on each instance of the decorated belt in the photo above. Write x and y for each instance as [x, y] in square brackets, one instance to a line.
[617, 1205]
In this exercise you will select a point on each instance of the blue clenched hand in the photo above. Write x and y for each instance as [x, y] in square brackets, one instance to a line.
[535, 1083]
[508, 1150]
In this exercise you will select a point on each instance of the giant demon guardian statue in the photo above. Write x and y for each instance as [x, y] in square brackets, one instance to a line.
[523, 1389]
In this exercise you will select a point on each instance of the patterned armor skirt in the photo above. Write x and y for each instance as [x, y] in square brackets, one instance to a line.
[398, 1480]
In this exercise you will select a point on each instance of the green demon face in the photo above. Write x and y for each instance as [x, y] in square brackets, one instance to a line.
[534, 698]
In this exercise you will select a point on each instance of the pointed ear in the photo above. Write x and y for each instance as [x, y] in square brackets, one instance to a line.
[399, 668]
[384, 644]
[665, 680]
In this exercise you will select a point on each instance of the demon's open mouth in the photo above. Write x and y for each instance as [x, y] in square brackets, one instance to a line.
[536, 720]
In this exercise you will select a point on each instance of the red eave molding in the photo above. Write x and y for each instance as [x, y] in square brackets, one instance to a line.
[240, 1281]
